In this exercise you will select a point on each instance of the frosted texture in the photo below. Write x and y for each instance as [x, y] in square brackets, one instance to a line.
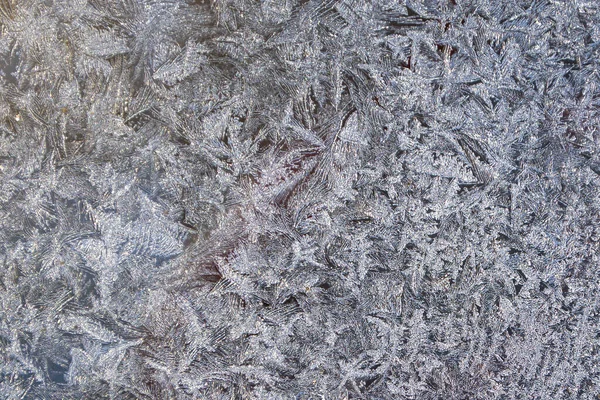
[241, 199]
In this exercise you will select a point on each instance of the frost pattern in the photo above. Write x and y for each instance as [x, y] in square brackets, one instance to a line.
[233, 199]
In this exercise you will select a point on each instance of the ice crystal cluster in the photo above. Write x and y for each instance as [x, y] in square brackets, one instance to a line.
[299, 199]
